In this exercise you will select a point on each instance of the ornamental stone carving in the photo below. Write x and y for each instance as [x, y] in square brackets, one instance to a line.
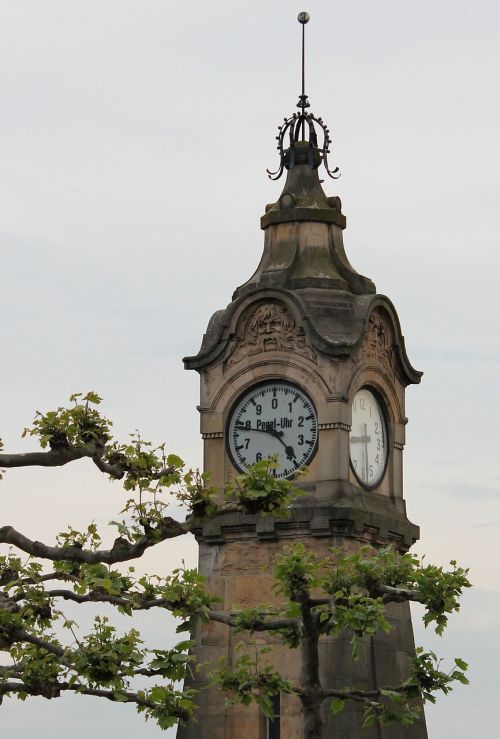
[376, 344]
[271, 328]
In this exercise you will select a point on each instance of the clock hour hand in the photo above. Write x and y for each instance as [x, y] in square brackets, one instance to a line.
[355, 439]
[290, 454]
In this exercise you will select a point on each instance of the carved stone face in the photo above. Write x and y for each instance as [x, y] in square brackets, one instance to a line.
[269, 326]
[376, 335]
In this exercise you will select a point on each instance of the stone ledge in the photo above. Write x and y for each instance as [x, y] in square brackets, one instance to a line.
[339, 518]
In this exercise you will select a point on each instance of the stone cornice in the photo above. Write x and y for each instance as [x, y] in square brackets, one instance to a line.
[320, 520]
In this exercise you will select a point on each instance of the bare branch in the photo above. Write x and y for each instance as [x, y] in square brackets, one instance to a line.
[119, 469]
[262, 624]
[54, 458]
[95, 596]
[53, 690]
[320, 602]
[64, 576]
[19, 635]
[8, 604]
[61, 455]
[364, 696]
[397, 595]
[388, 594]
[9, 671]
[121, 551]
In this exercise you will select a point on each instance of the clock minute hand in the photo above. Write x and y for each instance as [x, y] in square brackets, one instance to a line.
[273, 432]
[366, 439]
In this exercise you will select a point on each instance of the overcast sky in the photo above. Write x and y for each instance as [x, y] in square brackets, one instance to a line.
[134, 138]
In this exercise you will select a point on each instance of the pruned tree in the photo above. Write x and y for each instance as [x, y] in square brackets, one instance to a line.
[318, 597]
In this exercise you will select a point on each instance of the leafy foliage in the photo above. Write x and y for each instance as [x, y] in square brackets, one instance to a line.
[317, 598]
[77, 425]
[252, 677]
[258, 491]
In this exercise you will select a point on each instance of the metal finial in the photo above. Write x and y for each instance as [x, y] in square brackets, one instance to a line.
[297, 125]
[303, 18]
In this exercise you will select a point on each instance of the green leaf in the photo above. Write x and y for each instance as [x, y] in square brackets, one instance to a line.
[337, 705]
[120, 697]
[174, 461]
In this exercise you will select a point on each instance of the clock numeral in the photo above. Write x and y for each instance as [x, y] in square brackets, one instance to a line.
[377, 427]
[269, 416]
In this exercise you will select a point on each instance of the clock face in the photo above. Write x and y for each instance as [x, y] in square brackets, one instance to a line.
[274, 418]
[368, 439]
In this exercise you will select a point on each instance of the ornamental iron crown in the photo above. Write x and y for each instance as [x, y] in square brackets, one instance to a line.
[301, 127]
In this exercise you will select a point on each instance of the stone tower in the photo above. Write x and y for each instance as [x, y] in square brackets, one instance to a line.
[309, 362]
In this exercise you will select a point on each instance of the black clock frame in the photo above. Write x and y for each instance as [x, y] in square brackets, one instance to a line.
[252, 388]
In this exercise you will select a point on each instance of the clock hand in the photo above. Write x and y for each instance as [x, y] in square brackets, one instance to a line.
[365, 443]
[273, 432]
[355, 439]
[290, 454]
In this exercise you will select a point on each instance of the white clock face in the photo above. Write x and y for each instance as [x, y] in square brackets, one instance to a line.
[273, 419]
[368, 439]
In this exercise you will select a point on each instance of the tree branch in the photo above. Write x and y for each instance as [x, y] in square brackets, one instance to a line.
[99, 597]
[121, 551]
[365, 696]
[19, 635]
[8, 604]
[320, 602]
[53, 690]
[257, 625]
[390, 594]
[64, 576]
[61, 455]
[56, 457]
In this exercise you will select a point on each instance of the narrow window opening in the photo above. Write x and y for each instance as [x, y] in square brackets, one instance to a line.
[273, 724]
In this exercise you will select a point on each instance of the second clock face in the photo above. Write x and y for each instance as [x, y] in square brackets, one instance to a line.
[273, 419]
[368, 438]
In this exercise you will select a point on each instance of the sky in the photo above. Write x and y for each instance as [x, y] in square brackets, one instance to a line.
[134, 139]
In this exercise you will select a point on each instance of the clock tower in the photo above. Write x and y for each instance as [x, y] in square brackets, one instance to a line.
[307, 362]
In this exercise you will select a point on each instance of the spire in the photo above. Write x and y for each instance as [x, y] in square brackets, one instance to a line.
[298, 135]
[303, 246]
